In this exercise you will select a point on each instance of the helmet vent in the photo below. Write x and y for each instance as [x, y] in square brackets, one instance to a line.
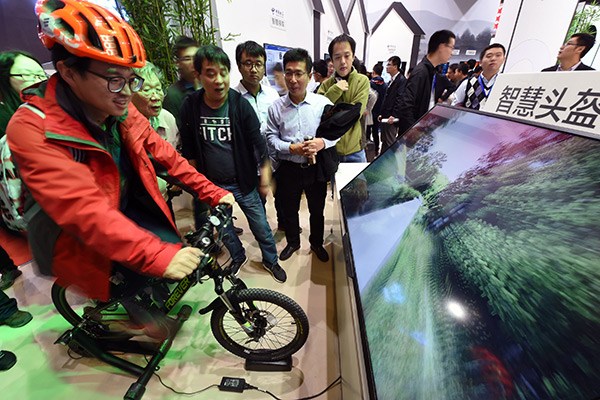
[100, 17]
[91, 34]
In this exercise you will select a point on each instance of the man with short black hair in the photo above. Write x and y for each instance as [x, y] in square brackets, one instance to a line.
[391, 101]
[184, 50]
[250, 58]
[319, 74]
[292, 119]
[456, 74]
[220, 136]
[474, 92]
[570, 54]
[418, 95]
[346, 85]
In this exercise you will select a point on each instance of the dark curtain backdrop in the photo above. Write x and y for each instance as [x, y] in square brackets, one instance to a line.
[18, 28]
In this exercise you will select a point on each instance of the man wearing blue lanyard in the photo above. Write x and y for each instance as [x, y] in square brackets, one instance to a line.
[473, 92]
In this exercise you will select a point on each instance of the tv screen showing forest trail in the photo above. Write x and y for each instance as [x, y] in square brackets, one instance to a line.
[476, 243]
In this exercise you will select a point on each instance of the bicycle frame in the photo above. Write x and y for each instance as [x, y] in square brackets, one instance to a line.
[91, 334]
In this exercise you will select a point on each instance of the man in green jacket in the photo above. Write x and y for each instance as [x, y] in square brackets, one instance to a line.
[347, 86]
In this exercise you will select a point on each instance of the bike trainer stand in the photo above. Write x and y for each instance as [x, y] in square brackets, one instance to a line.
[269, 366]
[79, 340]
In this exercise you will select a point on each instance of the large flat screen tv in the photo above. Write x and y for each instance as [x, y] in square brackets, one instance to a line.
[475, 244]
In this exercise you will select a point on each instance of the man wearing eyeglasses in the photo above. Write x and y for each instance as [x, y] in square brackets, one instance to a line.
[419, 94]
[250, 58]
[89, 159]
[570, 54]
[291, 131]
[184, 51]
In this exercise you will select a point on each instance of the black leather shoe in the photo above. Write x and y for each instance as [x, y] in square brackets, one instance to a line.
[320, 252]
[236, 265]
[287, 252]
[278, 273]
[7, 360]
[8, 278]
[18, 319]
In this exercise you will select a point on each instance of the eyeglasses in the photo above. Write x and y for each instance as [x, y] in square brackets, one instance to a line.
[32, 77]
[295, 74]
[249, 65]
[571, 44]
[116, 83]
[185, 59]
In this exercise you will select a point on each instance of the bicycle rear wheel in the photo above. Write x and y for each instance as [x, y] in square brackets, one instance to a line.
[280, 326]
[73, 306]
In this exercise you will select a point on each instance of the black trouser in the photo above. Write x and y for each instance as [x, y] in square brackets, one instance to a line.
[292, 179]
[6, 263]
[373, 131]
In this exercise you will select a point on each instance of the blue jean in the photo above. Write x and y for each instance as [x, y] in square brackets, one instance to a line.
[358, 157]
[252, 207]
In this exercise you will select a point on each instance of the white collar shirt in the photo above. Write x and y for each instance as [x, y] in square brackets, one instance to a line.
[290, 123]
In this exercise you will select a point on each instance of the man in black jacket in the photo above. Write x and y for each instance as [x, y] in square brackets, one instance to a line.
[570, 54]
[220, 135]
[391, 100]
[378, 85]
[417, 98]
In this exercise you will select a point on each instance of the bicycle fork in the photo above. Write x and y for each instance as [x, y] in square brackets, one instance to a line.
[232, 306]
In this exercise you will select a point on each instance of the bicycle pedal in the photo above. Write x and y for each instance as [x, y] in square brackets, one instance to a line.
[65, 338]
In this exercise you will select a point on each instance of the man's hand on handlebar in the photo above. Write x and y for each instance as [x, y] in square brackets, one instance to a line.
[227, 199]
[184, 263]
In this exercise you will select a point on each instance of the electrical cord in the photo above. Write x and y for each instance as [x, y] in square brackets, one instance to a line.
[337, 381]
[247, 386]
[184, 393]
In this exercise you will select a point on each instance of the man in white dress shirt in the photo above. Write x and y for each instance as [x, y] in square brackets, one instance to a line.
[250, 58]
[291, 134]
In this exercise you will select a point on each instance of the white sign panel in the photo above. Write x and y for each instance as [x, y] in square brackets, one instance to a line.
[278, 19]
[564, 99]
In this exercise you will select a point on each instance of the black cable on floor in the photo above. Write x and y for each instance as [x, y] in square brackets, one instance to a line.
[337, 381]
[184, 393]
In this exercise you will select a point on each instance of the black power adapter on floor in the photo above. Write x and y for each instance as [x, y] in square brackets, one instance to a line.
[232, 384]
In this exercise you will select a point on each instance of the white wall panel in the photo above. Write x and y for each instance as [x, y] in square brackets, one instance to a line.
[534, 29]
[252, 21]
[392, 38]
[330, 26]
[357, 30]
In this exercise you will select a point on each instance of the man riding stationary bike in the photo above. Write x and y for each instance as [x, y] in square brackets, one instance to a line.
[90, 160]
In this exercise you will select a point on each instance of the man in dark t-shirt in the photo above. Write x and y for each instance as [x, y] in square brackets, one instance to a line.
[220, 136]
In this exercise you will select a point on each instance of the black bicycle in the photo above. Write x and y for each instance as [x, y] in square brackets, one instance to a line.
[255, 324]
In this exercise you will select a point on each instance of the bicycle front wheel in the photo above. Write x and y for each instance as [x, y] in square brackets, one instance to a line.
[280, 326]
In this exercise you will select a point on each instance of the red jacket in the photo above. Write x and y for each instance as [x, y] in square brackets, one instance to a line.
[82, 196]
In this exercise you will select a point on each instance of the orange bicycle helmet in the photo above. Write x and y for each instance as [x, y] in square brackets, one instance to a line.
[88, 30]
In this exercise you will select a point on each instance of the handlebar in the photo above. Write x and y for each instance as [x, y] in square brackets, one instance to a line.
[203, 237]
